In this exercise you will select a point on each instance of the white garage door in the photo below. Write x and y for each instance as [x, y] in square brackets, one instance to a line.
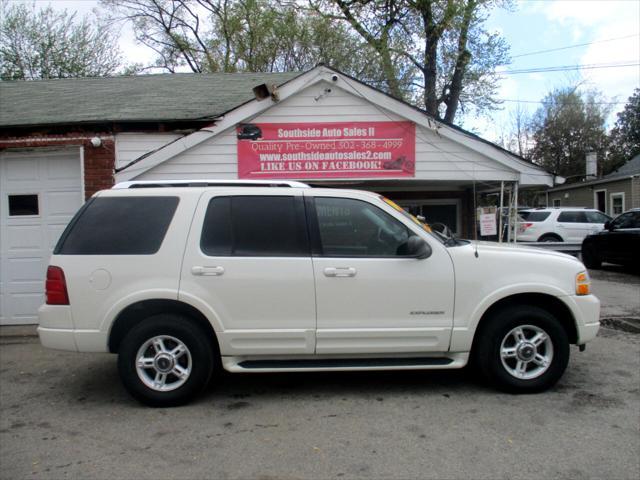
[40, 190]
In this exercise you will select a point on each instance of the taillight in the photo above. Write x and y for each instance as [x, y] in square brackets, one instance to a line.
[527, 225]
[56, 287]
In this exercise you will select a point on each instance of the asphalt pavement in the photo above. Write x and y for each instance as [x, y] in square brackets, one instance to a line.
[66, 415]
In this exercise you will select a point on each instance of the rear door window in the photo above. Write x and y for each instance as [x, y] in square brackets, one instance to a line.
[255, 226]
[119, 226]
[535, 216]
[572, 217]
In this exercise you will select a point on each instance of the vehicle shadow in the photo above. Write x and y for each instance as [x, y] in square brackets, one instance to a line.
[98, 383]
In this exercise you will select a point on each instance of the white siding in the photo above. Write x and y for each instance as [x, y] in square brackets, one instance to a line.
[130, 146]
[437, 158]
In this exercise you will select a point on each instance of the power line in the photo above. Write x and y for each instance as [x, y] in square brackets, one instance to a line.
[542, 101]
[573, 46]
[565, 68]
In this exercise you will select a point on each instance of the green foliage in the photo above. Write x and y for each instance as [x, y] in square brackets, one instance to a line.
[46, 43]
[435, 53]
[625, 134]
[568, 126]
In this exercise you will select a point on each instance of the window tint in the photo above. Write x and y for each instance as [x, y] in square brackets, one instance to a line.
[627, 220]
[119, 226]
[535, 216]
[254, 226]
[596, 217]
[352, 228]
[572, 217]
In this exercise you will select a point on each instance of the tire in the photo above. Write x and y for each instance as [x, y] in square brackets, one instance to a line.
[550, 237]
[590, 257]
[179, 360]
[498, 335]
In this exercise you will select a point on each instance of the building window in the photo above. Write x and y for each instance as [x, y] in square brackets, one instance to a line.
[445, 211]
[23, 205]
[617, 203]
[556, 202]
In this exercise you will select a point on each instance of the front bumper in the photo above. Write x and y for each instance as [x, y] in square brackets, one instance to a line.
[588, 315]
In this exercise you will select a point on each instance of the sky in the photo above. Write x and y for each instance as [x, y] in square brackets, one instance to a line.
[608, 32]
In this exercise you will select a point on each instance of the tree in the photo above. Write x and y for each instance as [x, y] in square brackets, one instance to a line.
[46, 43]
[435, 53]
[567, 126]
[241, 35]
[516, 134]
[625, 134]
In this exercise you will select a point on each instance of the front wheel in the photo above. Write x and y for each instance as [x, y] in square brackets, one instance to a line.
[165, 360]
[522, 349]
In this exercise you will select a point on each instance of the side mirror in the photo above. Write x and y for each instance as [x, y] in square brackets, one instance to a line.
[607, 225]
[418, 248]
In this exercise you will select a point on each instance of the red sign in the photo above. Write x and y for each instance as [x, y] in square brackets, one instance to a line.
[326, 150]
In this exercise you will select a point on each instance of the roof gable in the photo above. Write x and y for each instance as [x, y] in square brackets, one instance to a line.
[528, 173]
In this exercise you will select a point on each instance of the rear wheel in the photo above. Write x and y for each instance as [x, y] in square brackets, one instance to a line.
[165, 360]
[550, 237]
[522, 349]
[590, 256]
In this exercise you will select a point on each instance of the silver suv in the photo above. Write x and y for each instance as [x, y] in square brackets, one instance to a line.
[568, 224]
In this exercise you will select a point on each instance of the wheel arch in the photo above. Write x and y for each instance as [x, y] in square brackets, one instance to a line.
[133, 314]
[550, 234]
[550, 303]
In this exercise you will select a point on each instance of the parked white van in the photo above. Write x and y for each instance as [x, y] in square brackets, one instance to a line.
[181, 279]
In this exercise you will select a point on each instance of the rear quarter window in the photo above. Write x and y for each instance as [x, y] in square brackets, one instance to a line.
[535, 216]
[118, 226]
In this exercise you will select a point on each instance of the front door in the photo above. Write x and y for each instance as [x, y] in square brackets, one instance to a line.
[248, 261]
[371, 299]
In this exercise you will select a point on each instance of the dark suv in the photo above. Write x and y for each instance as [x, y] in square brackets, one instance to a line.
[618, 243]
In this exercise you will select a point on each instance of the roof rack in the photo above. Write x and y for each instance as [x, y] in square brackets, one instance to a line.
[208, 183]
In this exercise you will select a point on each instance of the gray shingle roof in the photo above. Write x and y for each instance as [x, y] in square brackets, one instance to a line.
[154, 98]
[632, 167]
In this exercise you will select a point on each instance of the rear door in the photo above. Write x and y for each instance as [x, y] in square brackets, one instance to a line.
[573, 225]
[371, 299]
[248, 264]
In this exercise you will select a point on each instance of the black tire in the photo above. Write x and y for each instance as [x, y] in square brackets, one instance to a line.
[201, 349]
[590, 257]
[550, 237]
[489, 341]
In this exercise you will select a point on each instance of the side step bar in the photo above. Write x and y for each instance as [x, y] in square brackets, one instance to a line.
[248, 364]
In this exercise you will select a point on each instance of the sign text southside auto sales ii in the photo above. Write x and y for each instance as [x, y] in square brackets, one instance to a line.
[326, 150]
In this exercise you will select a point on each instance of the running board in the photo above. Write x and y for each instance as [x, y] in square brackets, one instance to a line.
[242, 364]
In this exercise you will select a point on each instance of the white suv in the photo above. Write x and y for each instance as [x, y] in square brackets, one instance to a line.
[183, 279]
[561, 224]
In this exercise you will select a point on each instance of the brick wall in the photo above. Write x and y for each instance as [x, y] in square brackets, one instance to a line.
[99, 161]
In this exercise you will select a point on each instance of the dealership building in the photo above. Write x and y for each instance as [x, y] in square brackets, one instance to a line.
[63, 140]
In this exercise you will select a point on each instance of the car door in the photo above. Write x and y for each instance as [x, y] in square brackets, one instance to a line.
[371, 299]
[573, 225]
[623, 238]
[248, 265]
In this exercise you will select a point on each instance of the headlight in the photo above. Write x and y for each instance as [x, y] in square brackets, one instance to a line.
[583, 284]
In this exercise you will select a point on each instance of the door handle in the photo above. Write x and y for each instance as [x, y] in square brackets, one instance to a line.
[207, 271]
[340, 272]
